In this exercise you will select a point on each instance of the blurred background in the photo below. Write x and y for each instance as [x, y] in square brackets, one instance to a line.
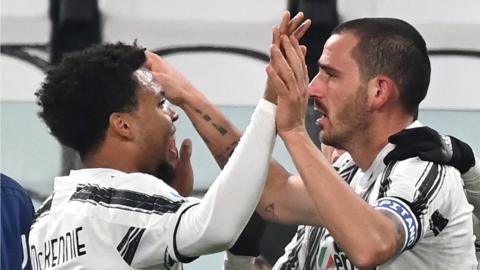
[222, 47]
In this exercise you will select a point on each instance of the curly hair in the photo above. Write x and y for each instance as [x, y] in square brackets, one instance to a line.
[78, 96]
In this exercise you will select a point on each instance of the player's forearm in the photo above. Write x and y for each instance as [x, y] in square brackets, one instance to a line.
[216, 223]
[285, 199]
[366, 235]
[219, 134]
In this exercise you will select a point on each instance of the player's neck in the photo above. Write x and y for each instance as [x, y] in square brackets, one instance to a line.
[365, 147]
[117, 158]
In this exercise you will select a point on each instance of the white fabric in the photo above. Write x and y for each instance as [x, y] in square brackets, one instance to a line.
[91, 206]
[104, 218]
[237, 262]
[231, 199]
[439, 244]
[471, 181]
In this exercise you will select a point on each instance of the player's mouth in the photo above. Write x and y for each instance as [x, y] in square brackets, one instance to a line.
[320, 108]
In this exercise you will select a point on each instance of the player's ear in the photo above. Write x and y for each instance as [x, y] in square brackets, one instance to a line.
[121, 124]
[381, 90]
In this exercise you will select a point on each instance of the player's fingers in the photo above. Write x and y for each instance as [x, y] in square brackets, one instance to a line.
[304, 50]
[276, 36]
[276, 82]
[302, 29]
[283, 28]
[294, 61]
[294, 23]
[282, 67]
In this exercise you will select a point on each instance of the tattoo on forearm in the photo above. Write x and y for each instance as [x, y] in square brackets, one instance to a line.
[220, 129]
[223, 131]
[197, 111]
[206, 117]
[223, 157]
[270, 211]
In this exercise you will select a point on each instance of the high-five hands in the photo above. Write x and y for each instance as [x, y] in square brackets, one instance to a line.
[288, 76]
[295, 27]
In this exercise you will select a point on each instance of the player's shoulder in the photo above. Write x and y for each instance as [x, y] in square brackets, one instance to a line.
[416, 168]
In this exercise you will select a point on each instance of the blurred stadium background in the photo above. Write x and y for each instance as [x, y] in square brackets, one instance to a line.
[222, 46]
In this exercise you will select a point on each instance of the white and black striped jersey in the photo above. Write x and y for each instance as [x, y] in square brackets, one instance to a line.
[429, 200]
[107, 219]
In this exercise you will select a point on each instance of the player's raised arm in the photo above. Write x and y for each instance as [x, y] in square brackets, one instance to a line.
[284, 199]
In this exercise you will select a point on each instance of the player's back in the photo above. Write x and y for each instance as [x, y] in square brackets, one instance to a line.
[102, 218]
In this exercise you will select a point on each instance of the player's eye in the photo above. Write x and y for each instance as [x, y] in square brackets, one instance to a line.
[162, 104]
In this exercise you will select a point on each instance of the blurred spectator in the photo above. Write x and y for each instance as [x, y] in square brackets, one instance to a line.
[17, 215]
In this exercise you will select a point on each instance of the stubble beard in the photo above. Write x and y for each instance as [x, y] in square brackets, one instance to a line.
[352, 121]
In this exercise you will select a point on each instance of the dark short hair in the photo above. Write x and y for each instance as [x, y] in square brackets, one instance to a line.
[78, 96]
[393, 48]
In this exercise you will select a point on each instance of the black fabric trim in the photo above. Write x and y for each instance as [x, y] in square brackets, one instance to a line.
[427, 189]
[125, 199]
[348, 173]
[386, 181]
[181, 258]
[366, 194]
[43, 210]
[313, 246]
[292, 260]
[129, 244]
[125, 239]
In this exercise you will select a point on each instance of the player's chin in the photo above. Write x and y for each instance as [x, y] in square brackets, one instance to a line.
[165, 171]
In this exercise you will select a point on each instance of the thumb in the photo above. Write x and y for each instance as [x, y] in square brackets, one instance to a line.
[303, 48]
[186, 150]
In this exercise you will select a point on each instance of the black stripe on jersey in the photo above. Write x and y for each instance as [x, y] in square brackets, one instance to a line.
[366, 194]
[428, 188]
[292, 260]
[386, 181]
[125, 199]
[312, 247]
[43, 210]
[348, 173]
[179, 256]
[129, 244]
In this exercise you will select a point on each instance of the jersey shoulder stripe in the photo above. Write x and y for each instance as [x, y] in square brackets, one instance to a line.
[125, 199]
[427, 188]
[43, 210]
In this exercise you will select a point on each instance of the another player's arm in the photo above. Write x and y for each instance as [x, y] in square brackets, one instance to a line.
[285, 198]
[471, 180]
[215, 224]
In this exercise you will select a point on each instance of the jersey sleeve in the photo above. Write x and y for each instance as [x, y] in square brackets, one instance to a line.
[215, 224]
[417, 193]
